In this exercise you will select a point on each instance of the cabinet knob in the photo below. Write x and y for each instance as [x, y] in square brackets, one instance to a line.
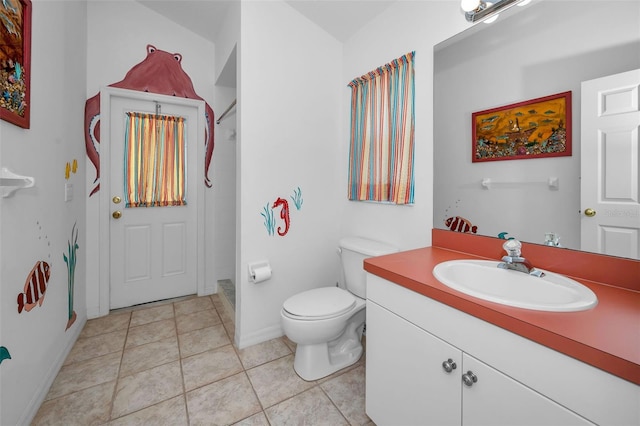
[449, 365]
[469, 378]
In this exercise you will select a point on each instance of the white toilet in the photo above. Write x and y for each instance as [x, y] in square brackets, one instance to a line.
[327, 323]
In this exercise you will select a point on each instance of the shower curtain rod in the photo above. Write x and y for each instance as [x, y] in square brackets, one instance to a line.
[226, 111]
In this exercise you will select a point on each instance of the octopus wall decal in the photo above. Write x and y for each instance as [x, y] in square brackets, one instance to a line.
[160, 72]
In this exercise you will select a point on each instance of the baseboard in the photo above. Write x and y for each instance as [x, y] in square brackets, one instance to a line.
[258, 336]
[94, 312]
[38, 398]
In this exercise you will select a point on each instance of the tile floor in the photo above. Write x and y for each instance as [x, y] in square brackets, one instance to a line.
[175, 364]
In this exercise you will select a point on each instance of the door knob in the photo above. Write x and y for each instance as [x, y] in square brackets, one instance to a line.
[117, 214]
[116, 200]
[469, 378]
[590, 212]
[449, 365]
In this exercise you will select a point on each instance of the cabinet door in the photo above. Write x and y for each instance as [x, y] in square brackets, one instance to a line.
[496, 399]
[406, 382]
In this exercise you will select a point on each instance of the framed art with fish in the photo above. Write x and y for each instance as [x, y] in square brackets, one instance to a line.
[15, 61]
[535, 128]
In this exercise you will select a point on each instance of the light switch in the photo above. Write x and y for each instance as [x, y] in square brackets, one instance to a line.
[68, 191]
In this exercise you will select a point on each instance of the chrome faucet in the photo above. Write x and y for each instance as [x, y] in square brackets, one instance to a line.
[515, 262]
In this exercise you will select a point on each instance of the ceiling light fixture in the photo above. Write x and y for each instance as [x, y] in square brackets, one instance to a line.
[477, 10]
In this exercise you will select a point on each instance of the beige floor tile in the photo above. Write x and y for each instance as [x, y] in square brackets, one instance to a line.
[106, 324]
[256, 420]
[217, 299]
[98, 345]
[172, 412]
[197, 320]
[311, 407]
[147, 388]
[224, 385]
[342, 371]
[85, 374]
[144, 357]
[231, 329]
[276, 381]
[210, 366]
[226, 315]
[223, 402]
[202, 340]
[86, 407]
[263, 352]
[193, 305]
[157, 313]
[291, 344]
[151, 332]
[347, 393]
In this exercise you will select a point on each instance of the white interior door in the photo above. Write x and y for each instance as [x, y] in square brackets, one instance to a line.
[153, 251]
[610, 195]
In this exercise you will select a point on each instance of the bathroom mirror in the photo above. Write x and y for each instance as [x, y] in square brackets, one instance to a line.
[545, 48]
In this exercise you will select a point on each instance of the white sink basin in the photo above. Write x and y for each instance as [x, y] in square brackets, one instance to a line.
[483, 279]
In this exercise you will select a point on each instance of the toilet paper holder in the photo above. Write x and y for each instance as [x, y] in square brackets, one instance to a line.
[259, 271]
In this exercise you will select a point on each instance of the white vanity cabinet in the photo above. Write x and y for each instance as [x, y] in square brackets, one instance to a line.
[407, 383]
[411, 339]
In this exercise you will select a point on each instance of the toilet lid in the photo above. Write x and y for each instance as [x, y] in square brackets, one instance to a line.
[319, 303]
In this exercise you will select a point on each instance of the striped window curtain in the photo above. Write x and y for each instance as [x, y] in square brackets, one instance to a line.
[155, 164]
[382, 134]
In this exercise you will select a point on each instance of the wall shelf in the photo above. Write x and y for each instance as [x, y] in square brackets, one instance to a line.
[11, 182]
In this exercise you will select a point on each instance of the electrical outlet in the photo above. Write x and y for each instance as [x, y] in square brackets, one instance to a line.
[68, 191]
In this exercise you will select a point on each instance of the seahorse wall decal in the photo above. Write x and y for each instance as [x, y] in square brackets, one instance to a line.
[284, 214]
[268, 216]
[160, 72]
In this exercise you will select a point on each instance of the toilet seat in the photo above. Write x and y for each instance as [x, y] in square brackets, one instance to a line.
[319, 303]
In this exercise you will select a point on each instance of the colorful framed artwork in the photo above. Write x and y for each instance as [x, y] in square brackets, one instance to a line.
[535, 128]
[15, 61]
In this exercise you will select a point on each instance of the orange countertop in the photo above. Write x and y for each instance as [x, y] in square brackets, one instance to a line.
[606, 337]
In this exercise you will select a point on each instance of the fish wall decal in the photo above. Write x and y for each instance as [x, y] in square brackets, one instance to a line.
[34, 287]
[460, 224]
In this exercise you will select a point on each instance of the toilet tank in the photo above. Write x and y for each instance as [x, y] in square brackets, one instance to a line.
[353, 251]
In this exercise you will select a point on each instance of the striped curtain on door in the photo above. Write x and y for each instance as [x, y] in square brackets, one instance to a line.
[382, 134]
[155, 162]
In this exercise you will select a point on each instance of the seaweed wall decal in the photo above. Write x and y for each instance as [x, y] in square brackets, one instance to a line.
[70, 260]
[269, 221]
[297, 198]
[4, 354]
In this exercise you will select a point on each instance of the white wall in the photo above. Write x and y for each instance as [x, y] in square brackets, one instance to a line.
[36, 223]
[224, 190]
[224, 161]
[289, 112]
[130, 27]
[404, 27]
